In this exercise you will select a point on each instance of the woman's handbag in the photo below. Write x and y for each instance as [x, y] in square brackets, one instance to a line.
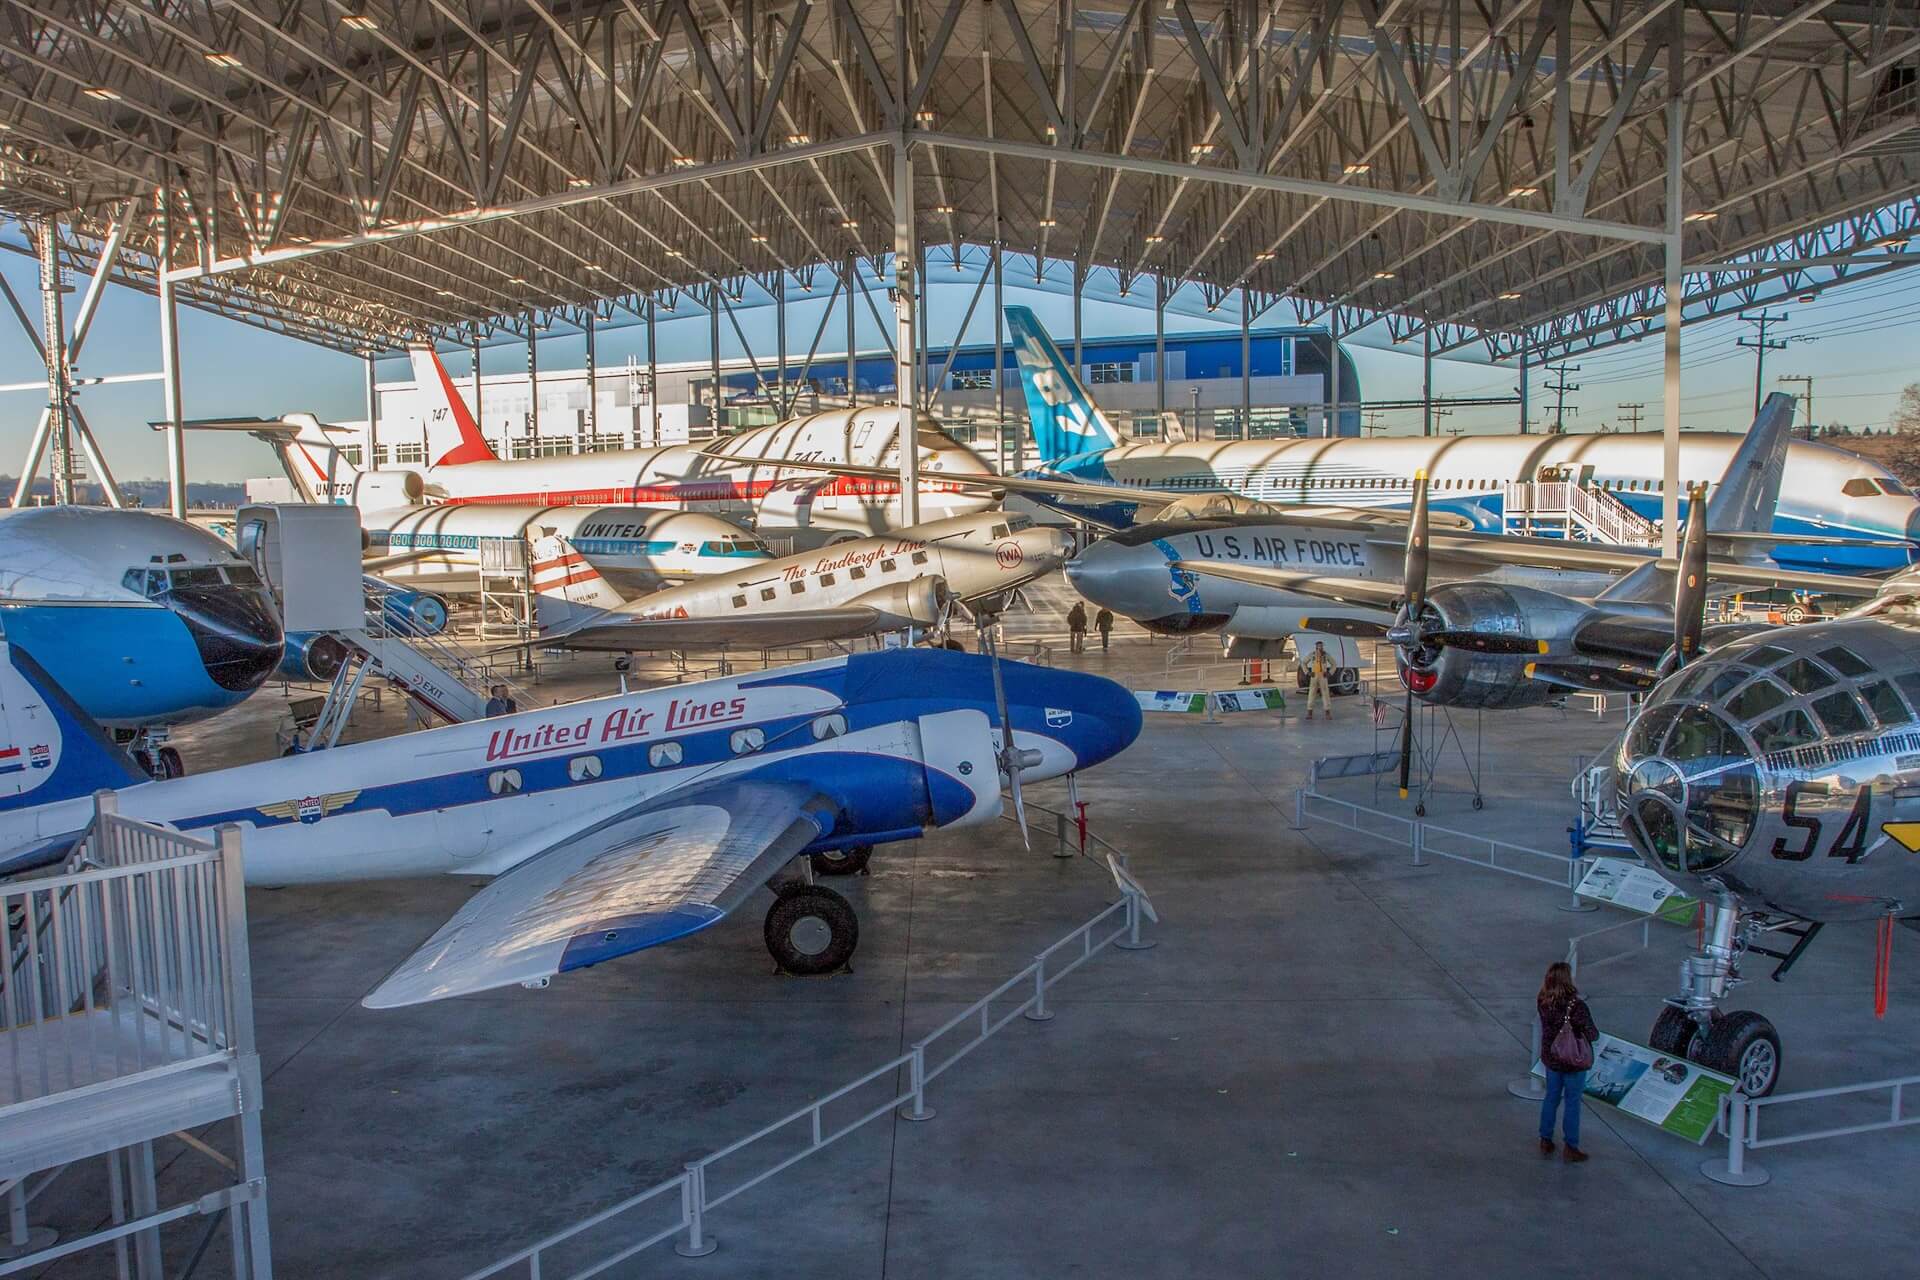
[1573, 1050]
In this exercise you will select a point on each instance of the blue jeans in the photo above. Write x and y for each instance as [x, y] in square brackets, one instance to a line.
[1570, 1085]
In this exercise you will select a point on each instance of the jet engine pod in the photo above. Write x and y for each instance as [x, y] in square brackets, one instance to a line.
[1446, 670]
[376, 490]
[919, 602]
[313, 656]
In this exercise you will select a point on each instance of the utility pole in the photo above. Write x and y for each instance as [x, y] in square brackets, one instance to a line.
[1560, 386]
[1805, 398]
[1762, 344]
[1631, 412]
[1373, 425]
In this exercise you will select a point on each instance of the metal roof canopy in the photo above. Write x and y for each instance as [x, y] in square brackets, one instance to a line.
[363, 173]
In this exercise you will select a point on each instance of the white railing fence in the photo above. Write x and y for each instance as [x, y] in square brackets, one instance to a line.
[679, 1206]
[1740, 1123]
[1425, 838]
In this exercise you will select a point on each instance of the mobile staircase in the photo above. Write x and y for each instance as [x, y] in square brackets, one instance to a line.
[126, 1015]
[1567, 509]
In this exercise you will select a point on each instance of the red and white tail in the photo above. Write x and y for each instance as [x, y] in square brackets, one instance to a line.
[453, 436]
[314, 461]
[569, 592]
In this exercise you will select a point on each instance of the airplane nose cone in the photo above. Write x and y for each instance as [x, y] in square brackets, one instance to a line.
[236, 630]
[1090, 716]
[1913, 532]
[1098, 573]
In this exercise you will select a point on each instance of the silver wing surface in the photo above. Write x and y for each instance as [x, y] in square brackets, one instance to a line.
[666, 868]
[748, 631]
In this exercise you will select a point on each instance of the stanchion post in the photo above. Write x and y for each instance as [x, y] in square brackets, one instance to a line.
[1529, 1087]
[1576, 873]
[1419, 844]
[693, 1207]
[1039, 1011]
[1300, 809]
[1133, 941]
[917, 1109]
[21, 1239]
[1734, 1171]
[1060, 833]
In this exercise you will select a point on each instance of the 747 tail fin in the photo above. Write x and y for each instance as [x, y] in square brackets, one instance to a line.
[1065, 419]
[453, 436]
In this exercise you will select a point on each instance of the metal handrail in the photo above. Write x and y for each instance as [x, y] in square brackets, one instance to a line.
[1739, 1121]
[1420, 836]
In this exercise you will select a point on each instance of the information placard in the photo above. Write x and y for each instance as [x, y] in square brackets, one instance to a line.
[1195, 702]
[1626, 883]
[1665, 1090]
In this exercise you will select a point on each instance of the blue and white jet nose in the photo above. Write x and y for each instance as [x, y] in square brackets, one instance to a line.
[1073, 719]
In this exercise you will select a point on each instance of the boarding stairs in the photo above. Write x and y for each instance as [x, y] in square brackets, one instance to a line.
[1597, 809]
[126, 1015]
[1566, 509]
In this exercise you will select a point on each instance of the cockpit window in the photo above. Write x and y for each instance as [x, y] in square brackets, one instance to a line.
[1885, 704]
[1766, 655]
[203, 577]
[242, 575]
[1693, 807]
[1890, 485]
[1845, 661]
[1785, 731]
[1840, 713]
[1859, 487]
[1756, 700]
[1650, 730]
[1804, 676]
[1726, 682]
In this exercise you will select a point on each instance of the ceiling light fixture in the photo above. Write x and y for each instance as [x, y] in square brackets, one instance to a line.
[1383, 275]
[103, 94]
[1517, 192]
[1509, 296]
[1357, 168]
[799, 139]
[1704, 215]
[1155, 239]
[221, 59]
[359, 21]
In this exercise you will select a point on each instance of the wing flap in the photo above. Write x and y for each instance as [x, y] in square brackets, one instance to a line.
[664, 869]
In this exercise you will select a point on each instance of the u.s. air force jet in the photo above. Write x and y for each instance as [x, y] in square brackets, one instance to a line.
[614, 824]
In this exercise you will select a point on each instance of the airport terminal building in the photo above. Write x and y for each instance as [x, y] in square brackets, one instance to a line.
[1213, 385]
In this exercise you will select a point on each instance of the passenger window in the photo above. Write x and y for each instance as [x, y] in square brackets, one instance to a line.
[826, 579]
[665, 755]
[739, 602]
[1845, 661]
[919, 557]
[886, 566]
[1859, 487]
[583, 768]
[829, 726]
[747, 741]
[856, 573]
[998, 531]
[1840, 713]
[1787, 730]
[1757, 699]
[1804, 677]
[1885, 704]
[768, 593]
[504, 782]
[797, 586]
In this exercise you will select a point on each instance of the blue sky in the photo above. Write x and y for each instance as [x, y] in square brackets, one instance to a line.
[1856, 341]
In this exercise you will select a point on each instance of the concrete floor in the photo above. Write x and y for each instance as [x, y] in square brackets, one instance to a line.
[1306, 1077]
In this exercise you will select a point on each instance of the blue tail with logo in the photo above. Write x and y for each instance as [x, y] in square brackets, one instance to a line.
[51, 750]
[1065, 420]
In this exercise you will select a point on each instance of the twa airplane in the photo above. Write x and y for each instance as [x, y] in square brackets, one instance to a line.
[891, 582]
[739, 478]
[1855, 506]
[611, 825]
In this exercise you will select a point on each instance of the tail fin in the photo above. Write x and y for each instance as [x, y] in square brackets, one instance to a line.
[453, 436]
[569, 592]
[50, 750]
[1065, 420]
[1745, 498]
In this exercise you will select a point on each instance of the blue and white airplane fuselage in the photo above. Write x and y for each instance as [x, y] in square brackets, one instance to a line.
[659, 810]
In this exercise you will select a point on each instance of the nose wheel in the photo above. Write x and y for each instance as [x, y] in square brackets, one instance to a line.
[811, 931]
[1738, 1043]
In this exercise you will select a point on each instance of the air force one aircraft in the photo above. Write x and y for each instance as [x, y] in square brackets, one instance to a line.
[147, 621]
[1834, 493]
[614, 824]
[738, 477]
[905, 579]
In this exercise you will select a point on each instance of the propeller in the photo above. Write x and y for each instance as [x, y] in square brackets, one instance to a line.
[1406, 631]
[1353, 628]
[1011, 758]
[1690, 585]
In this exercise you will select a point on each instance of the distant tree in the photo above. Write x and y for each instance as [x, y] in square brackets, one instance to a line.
[1906, 414]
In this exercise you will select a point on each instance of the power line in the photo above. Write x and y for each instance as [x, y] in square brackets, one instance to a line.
[1560, 386]
[1632, 413]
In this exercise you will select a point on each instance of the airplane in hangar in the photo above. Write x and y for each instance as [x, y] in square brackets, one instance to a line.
[609, 825]
[742, 477]
[1852, 515]
[148, 621]
[907, 579]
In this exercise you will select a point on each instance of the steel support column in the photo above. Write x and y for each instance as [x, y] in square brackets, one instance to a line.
[593, 414]
[653, 375]
[1079, 296]
[1426, 382]
[1331, 427]
[1160, 350]
[533, 385]
[170, 354]
[713, 352]
[780, 343]
[853, 369]
[999, 360]
[1246, 366]
[372, 459]
[1523, 390]
[479, 409]
[906, 356]
[54, 349]
[1675, 283]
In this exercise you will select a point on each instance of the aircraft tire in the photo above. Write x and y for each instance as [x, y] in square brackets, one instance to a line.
[1745, 1046]
[851, 861]
[171, 765]
[811, 931]
[1674, 1032]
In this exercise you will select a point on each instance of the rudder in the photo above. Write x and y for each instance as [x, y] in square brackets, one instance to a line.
[453, 437]
[1065, 419]
[51, 750]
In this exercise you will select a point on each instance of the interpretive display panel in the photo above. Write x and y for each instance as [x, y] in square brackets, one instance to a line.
[1625, 883]
[1665, 1091]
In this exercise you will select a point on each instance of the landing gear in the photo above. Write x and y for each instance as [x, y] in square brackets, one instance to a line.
[170, 763]
[842, 862]
[149, 751]
[811, 931]
[1740, 1043]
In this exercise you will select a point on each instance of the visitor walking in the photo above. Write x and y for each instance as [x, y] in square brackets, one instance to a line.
[1077, 627]
[1319, 667]
[1103, 623]
[1567, 1034]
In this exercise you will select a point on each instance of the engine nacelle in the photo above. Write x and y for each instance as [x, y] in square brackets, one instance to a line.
[1456, 677]
[919, 602]
[415, 612]
[375, 490]
[313, 657]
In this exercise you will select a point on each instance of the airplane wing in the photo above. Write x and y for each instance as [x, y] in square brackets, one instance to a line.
[622, 634]
[1360, 591]
[666, 868]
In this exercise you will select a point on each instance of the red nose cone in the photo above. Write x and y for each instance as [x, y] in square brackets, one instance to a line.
[1417, 680]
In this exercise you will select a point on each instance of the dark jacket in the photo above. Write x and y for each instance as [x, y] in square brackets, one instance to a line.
[1103, 620]
[1552, 1014]
[1076, 619]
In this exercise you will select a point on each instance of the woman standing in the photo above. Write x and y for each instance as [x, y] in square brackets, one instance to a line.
[1567, 1034]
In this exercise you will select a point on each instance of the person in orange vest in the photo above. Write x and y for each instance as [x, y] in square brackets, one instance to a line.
[1319, 667]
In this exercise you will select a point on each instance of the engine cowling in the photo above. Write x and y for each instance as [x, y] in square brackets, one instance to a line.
[375, 490]
[919, 602]
[1450, 676]
[416, 612]
[314, 657]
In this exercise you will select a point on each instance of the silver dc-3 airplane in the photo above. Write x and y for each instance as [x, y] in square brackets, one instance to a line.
[907, 579]
[610, 825]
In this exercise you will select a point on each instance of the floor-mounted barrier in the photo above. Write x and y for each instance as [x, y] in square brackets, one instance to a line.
[1740, 1122]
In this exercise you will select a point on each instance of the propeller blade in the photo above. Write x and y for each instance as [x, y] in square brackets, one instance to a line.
[1414, 572]
[1406, 744]
[1009, 755]
[1690, 583]
[1485, 641]
[1357, 628]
